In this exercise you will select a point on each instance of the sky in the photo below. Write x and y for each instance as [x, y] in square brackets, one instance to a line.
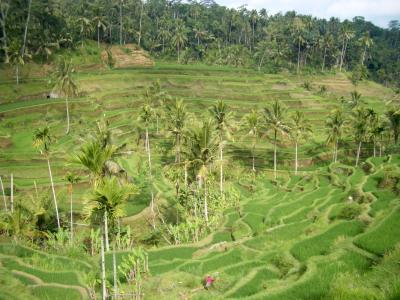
[379, 12]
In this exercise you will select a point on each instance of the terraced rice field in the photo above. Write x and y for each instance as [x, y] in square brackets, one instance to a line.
[286, 240]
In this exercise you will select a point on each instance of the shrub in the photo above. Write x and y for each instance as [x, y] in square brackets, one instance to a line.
[350, 211]
[283, 263]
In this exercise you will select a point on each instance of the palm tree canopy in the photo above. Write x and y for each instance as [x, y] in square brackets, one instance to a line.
[108, 197]
[274, 117]
[335, 126]
[42, 139]
[64, 80]
[177, 115]
[223, 119]
[299, 127]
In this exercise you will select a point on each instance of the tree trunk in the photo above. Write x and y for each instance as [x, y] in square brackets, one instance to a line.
[358, 153]
[323, 60]
[221, 172]
[12, 193]
[140, 22]
[275, 155]
[374, 148]
[120, 22]
[103, 271]
[205, 202]
[186, 176]
[296, 161]
[67, 108]
[17, 73]
[261, 61]
[4, 17]
[115, 274]
[252, 152]
[106, 230]
[54, 194]
[298, 59]
[98, 36]
[341, 56]
[336, 149]
[26, 27]
[36, 190]
[4, 195]
[71, 225]
[363, 55]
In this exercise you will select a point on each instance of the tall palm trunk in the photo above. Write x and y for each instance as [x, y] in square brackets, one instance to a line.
[341, 56]
[252, 152]
[374, 148]
[4, 195]
[98, 36]
[275, 154]
[54, 194]
[103, 271]
[298, 58]
[106, 230]
[205, 202]
[67, 108]
[17, 72]
[115, 274]
[26, 27]
[186, 176]
[296, 161]
[120, 22]
[140, 22]
[150, 173]
[323, 60]
[71, 215]
[336, 149]
[221, 171]
[12, 193]
[358, 153]
[3, 23]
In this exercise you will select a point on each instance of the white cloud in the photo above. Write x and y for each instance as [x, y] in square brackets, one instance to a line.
[379, 12]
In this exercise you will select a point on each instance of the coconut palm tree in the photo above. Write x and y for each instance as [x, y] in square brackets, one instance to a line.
[360, 124]
[393, 115]
[72, 179]
[201, 146]
[17, 59]
[299, 130]
[223, 120]
[42, 141]
[346, 35]
[298, 37]
[367, 42]
[145, 116]
[177, 116]
[355, 100]
[252, 125]
[100, 23]
[84, 28]
[179, 37]
[274, 117]
[65, 83]
[106, 204]
[327, 43]
[335, 125]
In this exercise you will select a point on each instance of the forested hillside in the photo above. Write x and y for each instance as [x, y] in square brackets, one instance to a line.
[203, 31]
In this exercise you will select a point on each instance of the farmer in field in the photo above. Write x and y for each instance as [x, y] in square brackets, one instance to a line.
[208, 281]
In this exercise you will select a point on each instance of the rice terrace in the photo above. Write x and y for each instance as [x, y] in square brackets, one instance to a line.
[189, 150]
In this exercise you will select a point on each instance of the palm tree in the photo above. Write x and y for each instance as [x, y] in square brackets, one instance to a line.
[376, 129]
[84, 28]
[327, 43]
[393, 115]
[299, 129]
[223, 119]
[179, 38]
[335, 126]
[251, 123]
[360, 129]
[42, 141]
[275, 121]
[93, 157]
[346, 35]
[201, 146]
[177, 115]
[100, 23]
[65, 83]
[299, 28]
[199, 34]
[367, 42]
[355, 99]
[17, 59]
[71, 178]
[165, 34]
[106, 203]
[145, 116]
